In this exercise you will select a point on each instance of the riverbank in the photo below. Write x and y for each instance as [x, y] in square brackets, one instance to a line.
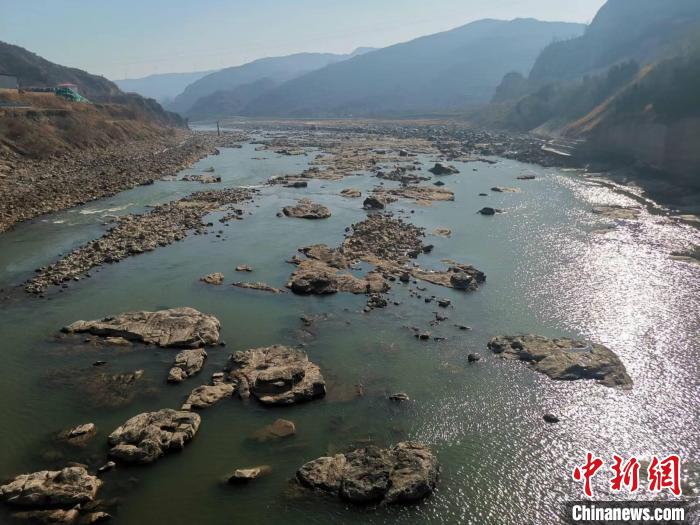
[33, 187]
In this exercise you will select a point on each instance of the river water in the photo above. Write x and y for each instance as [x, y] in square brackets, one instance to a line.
[552, 268]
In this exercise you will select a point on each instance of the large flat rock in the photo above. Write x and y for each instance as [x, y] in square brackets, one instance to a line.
[404, 473]
[176, 327]
[146, 437]
[47, 489]
[564, 359]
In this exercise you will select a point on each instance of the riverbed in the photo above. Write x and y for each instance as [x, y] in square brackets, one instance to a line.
[553, 267]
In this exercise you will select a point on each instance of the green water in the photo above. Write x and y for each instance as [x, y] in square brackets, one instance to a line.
[548, 272]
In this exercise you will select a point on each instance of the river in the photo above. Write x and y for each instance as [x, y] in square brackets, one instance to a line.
[553, 268]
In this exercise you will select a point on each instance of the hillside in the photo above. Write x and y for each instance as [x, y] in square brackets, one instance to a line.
[277, 69]
[433, 73]
[53, 126]
[163, 87]
[640, 30]
[32, 70]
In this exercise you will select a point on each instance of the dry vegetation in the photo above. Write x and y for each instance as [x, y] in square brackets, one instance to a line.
[55, 126]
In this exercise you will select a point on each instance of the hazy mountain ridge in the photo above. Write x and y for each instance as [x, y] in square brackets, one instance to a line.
[162, 86]
[434, 72]
[277, 69]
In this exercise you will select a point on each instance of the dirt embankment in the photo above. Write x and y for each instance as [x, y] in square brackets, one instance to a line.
[56, 154]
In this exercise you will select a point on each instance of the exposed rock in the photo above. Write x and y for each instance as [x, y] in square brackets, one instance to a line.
[116, 341]
[331, 256]
[442, 232]
[462, 277]
[177, 327]
[473, 358]
[564, 359]
[314, 277]
[203, 179]
[374, 203]
[400, 396]
[297, 184]
[404, 473]
[488, 211]
[79, 435]
[45, 489]
[444, 303]
[550, 418]
[526, 177]
[205, 396]
[443, 169]
[384, 238]
[501, 189]
[263, 287]
[187, 363]
[281, 428]
[146, 437]
[305, 209]
[136, 234]
[278, 375]
[245, 475]
[351, 193]
[52, 516]
[244, 268]
[107, 467]
[213, 278]
[617, 212]
[420, 194]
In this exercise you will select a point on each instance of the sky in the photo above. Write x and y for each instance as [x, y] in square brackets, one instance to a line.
[135, 38]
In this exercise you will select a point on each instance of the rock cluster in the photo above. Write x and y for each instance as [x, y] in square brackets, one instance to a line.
[216, 278]
[263, 287]
[404, 473]
[420, 194]
[313, 277]
[385, 238]
[564, 359]
[146, 437]
[276, 375]
[176, 327]
[136, 234]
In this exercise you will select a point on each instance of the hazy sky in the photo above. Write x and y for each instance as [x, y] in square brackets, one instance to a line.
[133, 38]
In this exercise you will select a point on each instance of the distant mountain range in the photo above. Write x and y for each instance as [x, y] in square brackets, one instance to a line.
[436, 73]
[440, 72]
[163, 87]
[275, 69]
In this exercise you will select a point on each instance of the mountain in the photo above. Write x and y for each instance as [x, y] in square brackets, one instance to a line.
[641, 30]
[437, 72]
[277, 69]
[162, 87]
[230, 102]
[32, 70]
[625, 91]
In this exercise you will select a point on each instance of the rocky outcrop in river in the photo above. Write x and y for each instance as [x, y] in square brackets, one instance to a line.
[187, 363]
[146, 437]
[564, 359]
[177, 327]
[276, 375]
[306, 209]
[404, 473]
[50, 489]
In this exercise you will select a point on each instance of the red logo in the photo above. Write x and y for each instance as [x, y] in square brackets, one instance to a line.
[662, 474]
